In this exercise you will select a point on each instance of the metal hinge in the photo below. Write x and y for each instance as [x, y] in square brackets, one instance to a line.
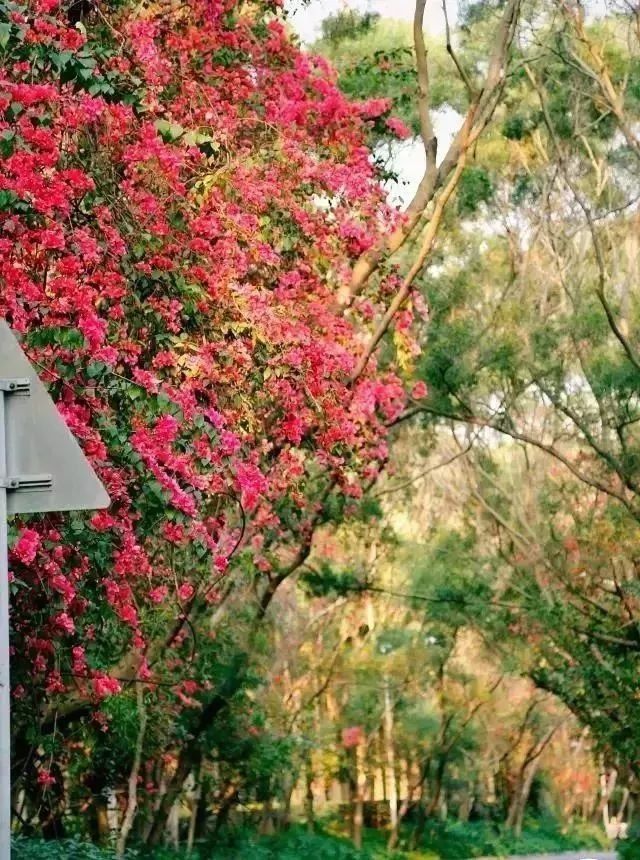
[17, 385]
[26, 482]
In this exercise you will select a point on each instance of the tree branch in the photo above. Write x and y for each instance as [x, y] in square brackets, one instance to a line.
[527, 439]
[403, 293]
[479, 112]
[461, 70]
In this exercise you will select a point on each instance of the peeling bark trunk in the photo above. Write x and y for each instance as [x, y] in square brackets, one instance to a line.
[358, 799]
[391, 784]
[195, 806]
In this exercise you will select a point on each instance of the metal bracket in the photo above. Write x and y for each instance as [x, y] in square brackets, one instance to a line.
[17, 385]
[26, 482]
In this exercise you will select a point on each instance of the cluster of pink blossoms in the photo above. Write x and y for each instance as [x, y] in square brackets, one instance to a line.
[178, 216]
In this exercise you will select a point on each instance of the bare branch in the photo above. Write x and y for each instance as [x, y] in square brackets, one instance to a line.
[598, 71]
[597, 247]
[461, 70]
[479, 113]
[477, 421]
[425, 249]
[424, 91]
[447, 462]
[132, 798]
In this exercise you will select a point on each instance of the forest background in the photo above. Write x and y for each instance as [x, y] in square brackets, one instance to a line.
[369, 581]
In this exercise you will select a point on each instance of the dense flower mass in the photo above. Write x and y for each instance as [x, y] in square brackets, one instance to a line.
[182, 193]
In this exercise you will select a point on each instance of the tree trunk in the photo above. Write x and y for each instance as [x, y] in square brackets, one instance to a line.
[195, 806]
[101, 821]
[308, 798]
[437, 786]
[190, 755]
[161, 817]
[132, 799]
[202, 813]
[284, 819]
[358, 799]
[518, 805]
[524, 797]
[466, 804]
[421, 820]
[228, 799]
[173, 826]
[412, 790]
[97, 813]
[391, 785]
[266, 821]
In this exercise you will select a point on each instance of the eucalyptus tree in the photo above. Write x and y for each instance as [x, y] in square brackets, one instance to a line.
[533, 346]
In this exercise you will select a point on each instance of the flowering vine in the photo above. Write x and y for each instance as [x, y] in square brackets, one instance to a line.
[182, 194]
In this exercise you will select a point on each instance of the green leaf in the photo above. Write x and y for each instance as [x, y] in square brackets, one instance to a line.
[8, 200]
[5, 34]
[95, 368]
[169, 131]
[61, 58]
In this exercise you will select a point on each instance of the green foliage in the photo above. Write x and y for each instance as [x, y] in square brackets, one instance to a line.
[291, 845]
[32, 849]
[560, 115]
[243, 845]
[453, 841]
[448, 571]
[629, 849]
[633, 89]
[71, 849]
[474, 11]
[325, 580]
[475, 188]
[515, 127]
[460, 841]
[524, 189]
[392, 639]
[348, 24]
